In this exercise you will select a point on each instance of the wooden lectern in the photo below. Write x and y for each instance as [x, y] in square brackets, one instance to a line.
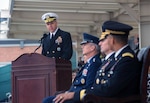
[35, 76]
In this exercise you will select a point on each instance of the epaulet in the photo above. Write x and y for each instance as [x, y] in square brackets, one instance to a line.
[128, 54]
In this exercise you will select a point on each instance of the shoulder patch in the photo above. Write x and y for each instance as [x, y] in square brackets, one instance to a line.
[128, 54]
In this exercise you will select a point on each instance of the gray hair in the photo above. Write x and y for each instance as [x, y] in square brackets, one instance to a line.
[97, 47]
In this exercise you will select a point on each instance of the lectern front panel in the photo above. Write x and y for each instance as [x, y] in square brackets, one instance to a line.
[35, 76]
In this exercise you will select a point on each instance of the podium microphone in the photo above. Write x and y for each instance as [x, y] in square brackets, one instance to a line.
[41, 41]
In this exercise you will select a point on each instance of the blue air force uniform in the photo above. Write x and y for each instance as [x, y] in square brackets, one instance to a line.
[121, 76]
[86, 76]
[60, 46]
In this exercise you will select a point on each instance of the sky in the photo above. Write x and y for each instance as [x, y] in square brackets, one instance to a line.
[4, 4]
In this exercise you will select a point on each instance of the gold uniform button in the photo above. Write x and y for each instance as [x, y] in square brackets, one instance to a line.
[97, 81]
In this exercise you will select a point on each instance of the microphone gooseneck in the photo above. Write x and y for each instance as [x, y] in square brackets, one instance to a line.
[41, 41]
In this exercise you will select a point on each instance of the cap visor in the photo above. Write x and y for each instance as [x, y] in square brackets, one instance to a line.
[83, 42]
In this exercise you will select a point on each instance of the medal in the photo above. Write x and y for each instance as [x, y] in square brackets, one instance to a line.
[103, 81]
[84, 73]
[58, 49]
[103, 74]
[82, 81]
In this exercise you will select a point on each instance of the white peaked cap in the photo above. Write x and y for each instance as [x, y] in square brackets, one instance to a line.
[51, 15]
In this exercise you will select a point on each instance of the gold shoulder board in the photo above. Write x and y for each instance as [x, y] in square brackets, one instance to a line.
[128, 54]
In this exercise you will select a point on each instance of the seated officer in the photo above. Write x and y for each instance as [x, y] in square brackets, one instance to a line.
[106, 50]
[56, 43]
[85, 77]
[121, 79]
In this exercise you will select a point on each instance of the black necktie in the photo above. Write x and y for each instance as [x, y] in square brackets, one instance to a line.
[52, 36]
